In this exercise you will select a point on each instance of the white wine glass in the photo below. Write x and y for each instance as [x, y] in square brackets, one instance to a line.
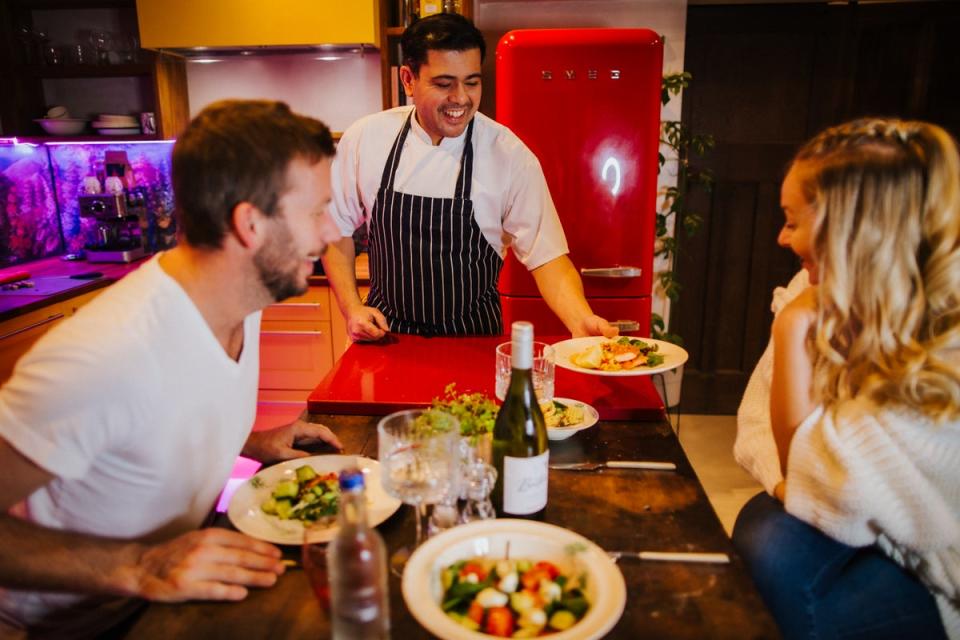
[419, 459]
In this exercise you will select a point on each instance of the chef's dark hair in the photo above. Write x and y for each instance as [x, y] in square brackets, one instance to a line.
[239, 151]
[439, 32]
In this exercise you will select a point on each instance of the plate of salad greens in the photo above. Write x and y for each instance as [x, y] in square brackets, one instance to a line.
[281, 501]
[513, 578]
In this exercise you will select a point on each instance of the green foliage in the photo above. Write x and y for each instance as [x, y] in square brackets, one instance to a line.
[658, 331]
[686, 145]
[475, 411]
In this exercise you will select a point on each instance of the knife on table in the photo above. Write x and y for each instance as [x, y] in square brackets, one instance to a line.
[649, 465]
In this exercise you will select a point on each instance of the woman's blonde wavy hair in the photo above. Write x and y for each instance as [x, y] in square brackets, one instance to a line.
[887, 199]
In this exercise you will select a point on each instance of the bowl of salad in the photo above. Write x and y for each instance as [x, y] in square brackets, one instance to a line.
[515, 579]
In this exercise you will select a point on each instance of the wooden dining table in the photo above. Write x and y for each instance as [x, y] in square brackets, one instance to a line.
[619, 509]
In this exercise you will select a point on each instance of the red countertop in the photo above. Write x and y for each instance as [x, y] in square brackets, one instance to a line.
[409, 371]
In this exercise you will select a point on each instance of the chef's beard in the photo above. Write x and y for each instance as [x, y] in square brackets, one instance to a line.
[277, 272]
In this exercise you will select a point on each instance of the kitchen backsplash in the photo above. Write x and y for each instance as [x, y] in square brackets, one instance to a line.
[39, 186]
[29, 225]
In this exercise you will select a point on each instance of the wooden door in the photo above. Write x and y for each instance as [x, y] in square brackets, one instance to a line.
[765, 79]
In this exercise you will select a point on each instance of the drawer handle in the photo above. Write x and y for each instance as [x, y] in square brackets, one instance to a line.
[295, 305]
[56, 316]
[626, 325]
[612, 272]
[291, 333]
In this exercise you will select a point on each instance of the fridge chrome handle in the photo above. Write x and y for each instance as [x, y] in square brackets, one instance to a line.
[612, 272]
[626, 325]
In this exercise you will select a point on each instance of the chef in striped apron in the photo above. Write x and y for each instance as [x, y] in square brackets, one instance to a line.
[444, 192]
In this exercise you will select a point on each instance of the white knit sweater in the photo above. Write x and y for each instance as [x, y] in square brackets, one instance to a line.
[754, 448]
[869, 475]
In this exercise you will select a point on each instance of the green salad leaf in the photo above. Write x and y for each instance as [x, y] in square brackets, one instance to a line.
[475, 411]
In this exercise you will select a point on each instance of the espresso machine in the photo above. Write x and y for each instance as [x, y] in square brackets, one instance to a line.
[116, 228]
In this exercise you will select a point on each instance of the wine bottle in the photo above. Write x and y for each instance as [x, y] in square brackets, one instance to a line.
[520, 452]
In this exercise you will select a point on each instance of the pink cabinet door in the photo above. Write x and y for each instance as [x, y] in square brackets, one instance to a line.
[292, 359]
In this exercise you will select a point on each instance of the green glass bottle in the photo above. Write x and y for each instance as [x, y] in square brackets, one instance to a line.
[520, 452]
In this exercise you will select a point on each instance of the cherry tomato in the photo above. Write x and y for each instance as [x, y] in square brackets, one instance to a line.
[499, 622]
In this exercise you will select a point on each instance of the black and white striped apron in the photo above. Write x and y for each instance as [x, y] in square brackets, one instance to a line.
[431, 270]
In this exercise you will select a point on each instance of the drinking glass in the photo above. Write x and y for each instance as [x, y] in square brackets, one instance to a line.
[314, 560]
[543, 370]
[419, 462]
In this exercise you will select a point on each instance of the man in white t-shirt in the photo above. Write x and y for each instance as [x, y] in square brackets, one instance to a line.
[120, 427]
[444, 191]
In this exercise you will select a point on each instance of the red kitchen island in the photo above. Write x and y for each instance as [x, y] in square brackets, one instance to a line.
[406, 371]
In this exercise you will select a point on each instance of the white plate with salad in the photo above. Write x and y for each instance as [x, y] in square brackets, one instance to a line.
[502, 577]
[277, 503]
[565, 417]
[621, 356]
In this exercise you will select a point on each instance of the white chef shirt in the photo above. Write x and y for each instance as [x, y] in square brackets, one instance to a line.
[512, 204]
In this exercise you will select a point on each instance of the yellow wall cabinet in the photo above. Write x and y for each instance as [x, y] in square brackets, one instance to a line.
[174, 24]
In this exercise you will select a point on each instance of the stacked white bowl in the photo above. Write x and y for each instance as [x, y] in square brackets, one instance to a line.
[59, 123]
[109, 124]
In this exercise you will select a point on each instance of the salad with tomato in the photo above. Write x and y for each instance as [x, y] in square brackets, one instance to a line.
[513, 598]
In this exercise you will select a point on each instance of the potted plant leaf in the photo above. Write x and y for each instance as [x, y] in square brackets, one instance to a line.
[674, 216]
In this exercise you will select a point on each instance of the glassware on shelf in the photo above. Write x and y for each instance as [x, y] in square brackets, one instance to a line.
[101, 45]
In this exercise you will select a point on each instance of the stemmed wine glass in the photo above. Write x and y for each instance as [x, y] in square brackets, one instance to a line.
[418, 451]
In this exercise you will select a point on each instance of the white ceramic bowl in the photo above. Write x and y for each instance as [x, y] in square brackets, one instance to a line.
[62, 126]
[590, 418]
[536, 541]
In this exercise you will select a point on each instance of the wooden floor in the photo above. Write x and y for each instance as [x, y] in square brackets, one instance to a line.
[708, 442]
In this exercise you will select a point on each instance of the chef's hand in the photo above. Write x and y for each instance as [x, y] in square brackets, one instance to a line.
[275, 445]
[594, 325]
[209, 564]
[365, 324]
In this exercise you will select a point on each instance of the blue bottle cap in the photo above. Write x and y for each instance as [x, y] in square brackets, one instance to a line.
[351, 479]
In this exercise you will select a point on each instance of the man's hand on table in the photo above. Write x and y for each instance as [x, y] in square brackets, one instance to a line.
[365, 324]
[594, 325]
[276, 445]
[210, 564]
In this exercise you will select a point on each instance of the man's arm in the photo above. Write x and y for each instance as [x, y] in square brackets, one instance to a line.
[363, 323]
[562, 290]
[212, 564]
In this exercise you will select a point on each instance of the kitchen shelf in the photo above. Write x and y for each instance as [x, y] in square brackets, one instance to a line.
[89, 138]
[89, 70]
[46, 5]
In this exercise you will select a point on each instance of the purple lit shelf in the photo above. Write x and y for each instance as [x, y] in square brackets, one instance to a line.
[90, 138]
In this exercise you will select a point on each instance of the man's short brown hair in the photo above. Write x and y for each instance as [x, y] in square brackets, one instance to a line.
[238, 151]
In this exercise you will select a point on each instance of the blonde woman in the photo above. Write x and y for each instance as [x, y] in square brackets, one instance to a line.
[865, 393]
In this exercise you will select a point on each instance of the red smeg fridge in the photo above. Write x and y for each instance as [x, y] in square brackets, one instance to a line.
[587, 103]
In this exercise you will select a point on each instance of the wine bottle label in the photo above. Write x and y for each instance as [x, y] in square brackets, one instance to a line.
[525, 484]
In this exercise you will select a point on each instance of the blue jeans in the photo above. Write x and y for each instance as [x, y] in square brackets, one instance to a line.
[816, 587]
